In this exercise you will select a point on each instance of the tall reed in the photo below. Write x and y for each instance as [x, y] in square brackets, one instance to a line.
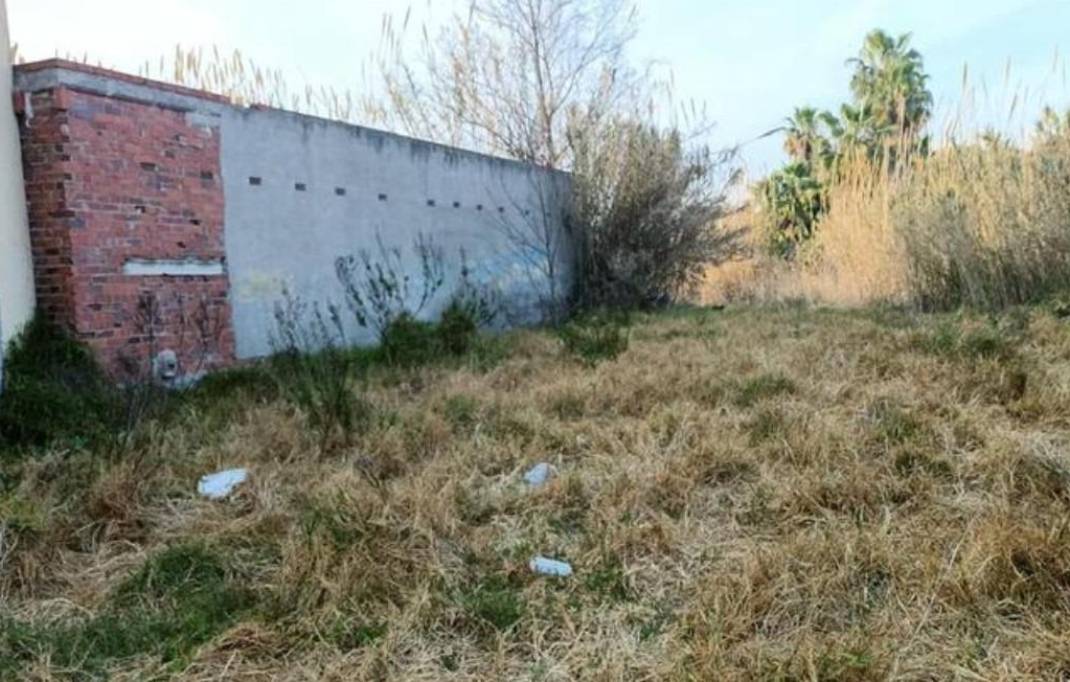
[982, 223]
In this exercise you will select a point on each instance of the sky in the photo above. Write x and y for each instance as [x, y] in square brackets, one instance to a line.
[749, 63]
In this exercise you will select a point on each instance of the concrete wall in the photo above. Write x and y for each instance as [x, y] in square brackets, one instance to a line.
[16, 266]
[142, 187]
[301, 191]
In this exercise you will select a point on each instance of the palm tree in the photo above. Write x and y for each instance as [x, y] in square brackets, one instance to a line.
[808, 135]
[792, 200]
[802, 133]
[889, 78]
[857, 128]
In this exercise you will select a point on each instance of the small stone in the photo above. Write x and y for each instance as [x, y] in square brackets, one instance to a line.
[220, 485]
[550, 567]
[538, 474]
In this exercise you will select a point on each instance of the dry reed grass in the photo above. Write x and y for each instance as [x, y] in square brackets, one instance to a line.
[982, 221]
[772, 494]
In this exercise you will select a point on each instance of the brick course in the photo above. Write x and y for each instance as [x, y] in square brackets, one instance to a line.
[107, 181]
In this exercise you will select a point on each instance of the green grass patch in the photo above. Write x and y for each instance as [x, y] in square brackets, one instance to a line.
[768, 424]
[892, 423]
[596, 338]
[949, 339]
[763, 387]
[177, 601]
[608, 580]
[494, 604]
[462, 412]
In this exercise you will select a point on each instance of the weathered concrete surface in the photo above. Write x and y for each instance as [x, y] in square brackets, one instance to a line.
[16, 265]
[301, 191]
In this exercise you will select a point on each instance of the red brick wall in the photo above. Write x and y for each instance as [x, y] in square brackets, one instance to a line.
[107, 181]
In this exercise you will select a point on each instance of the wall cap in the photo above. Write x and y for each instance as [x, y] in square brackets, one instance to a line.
[51, 74]
[110, 74]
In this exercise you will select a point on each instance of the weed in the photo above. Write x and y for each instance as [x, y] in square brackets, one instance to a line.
[608, 580]
[462, 411]
[763, 387]
[493, 603]
[943, 341]
[655, 625]
[315, 370]
[773, 542]
[568, 406]
[595, 339]
[892, 424]
[457, 329]
[768, 424]
[723, 472]
[350, 636]
[472, 306]
[409, 342]
[985, 343]
[378, 289]
[912, 462]
[217, 388]
[855, 664]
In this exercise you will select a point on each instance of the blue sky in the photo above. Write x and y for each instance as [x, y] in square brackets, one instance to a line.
[750, 62]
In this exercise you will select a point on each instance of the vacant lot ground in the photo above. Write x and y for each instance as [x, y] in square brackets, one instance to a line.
[751, 494]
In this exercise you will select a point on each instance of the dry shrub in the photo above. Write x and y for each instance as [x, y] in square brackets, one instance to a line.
[644, 211]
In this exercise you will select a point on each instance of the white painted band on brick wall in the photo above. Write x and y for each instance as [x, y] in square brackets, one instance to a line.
[136, 267]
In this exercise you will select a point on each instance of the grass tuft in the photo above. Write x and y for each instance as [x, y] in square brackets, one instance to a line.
[763, 387]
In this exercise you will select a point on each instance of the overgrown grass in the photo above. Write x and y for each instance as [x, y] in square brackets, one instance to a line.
[801, 494]
[57, 395]
[177, 601]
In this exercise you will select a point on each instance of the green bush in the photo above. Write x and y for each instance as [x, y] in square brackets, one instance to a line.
[596, 338]
[55, 391]
[458, 328]
[409, 342]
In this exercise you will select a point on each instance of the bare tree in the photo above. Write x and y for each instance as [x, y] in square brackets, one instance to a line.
[508, 76]
[548, 82]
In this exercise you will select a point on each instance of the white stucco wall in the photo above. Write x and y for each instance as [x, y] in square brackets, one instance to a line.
[16, 266]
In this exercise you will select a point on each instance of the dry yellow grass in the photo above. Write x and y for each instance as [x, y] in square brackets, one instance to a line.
[753, 494]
